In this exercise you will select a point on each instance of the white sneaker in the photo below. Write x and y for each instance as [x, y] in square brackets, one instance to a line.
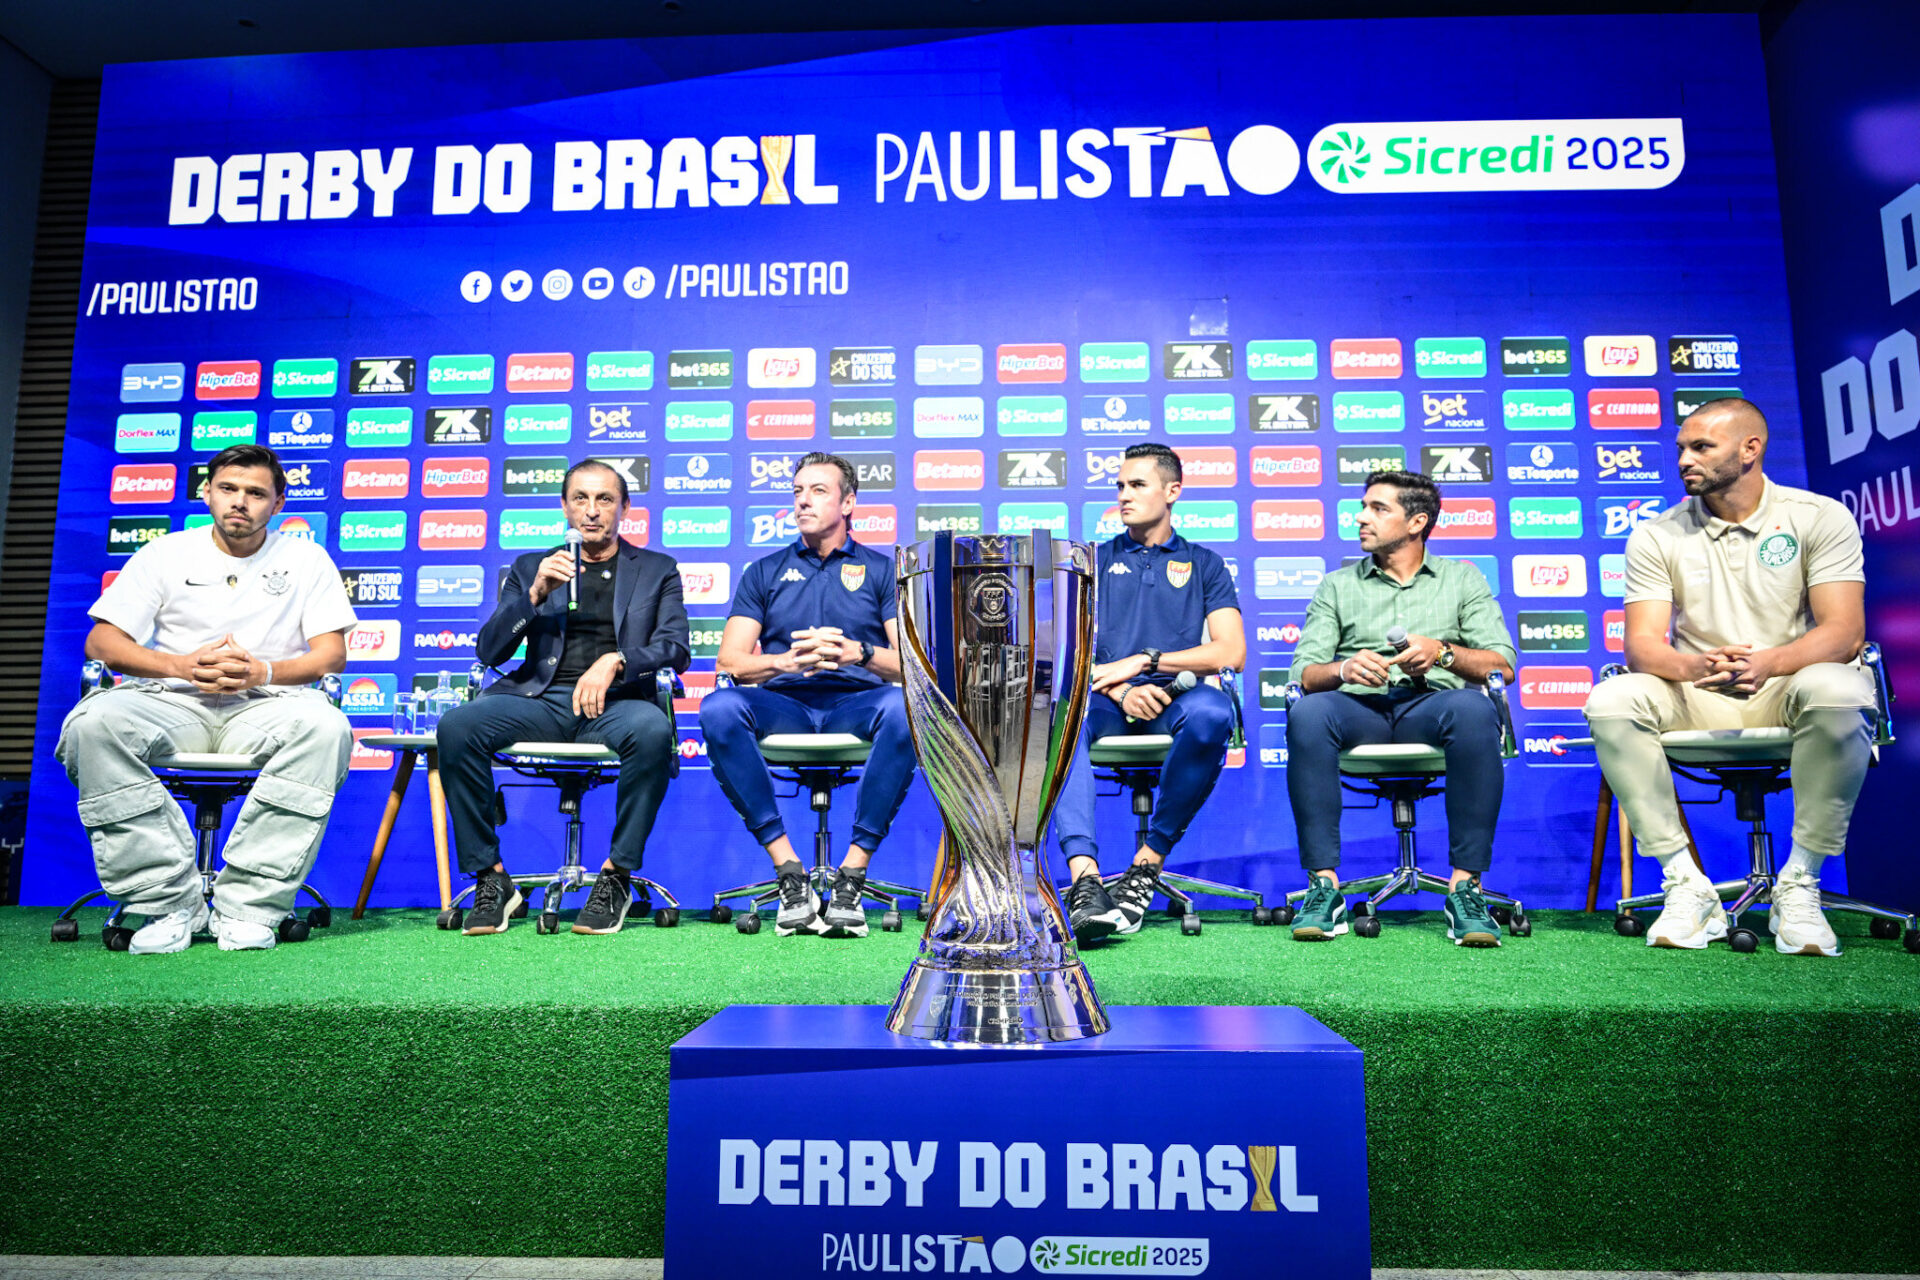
[171, 932]
[1799, 926]
[243, 935]
[1691, 918]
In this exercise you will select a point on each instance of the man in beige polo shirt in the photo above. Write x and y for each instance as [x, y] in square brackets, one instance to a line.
[1762, 589]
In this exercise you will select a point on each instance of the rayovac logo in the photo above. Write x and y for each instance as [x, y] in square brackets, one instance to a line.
[1302, 519]
[1636, 410]
[697, 473]
[1542, 464]
[1450, 357]
[305, 378]
[706, 583]
[780, 367]
[861, 366]
[1365, 357]
[780, 419]
[1444, 156]
[1287, 577]
[532, 477]
[863, 419]
[138, 482]
[876, 524]
[948, 366]
[127, 534]
[1550, 575]
[1456, 410]
[876, 472]
[1637, 463]
[620, 371]
[369, 695]
[1544, 410]
[1115, 415]
[545, 371]
[383, 376]
[1290, 465]
[1457, 463]
[1547, 745]
[1285, 359]
[617, 423]
[375, 641]
[950, 469]
[149, 383]
[1715, 354]
[1354, 463]
[1558, 631]
[1031, 415]
[1613, 355]
[1115, 362]
[1369, 411]
[217, 429]
[455, 477]
[459, 375]
[935, 417]
[1550, 688]
[771, 473]
[1536, 357]
[955, 517]
[453, 530]
[1196, 361]
[1286, 634]
[1199, 413]
[445, 641]
[146, 433]
[1544, 517]
[227, 380]
[1618, 517]
[372, 587]
[1209, 466]
[376, 478]
[447, 424]
[1284, 412]
[373, 531]
[300, 429]
[1031, 468]
[449, 586]
[1030, 362]
[1465, 518]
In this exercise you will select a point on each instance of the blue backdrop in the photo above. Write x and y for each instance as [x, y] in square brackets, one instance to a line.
[1508, 252]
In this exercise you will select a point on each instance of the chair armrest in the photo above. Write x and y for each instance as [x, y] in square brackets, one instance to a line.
[1612, 669]
[1496, 690]
[1293, 693]
[331, 685]
[1882, 692]
[1230, 685]
[476, 680]
[94, 675]
[721, 680]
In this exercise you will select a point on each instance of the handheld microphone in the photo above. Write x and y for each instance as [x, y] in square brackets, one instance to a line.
[1183, 682]
[1397, 637]
[574, 539]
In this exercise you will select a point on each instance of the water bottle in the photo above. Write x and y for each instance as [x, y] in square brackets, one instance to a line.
[441, 699]
[403, 713]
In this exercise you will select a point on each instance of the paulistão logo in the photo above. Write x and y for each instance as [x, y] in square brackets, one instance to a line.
[1436, 156]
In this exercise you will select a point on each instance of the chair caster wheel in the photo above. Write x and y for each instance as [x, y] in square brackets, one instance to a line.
[1521, 927]
[923, 912]
[520, 912]
[320, 917]
[549, 922]
[1629, 926]
[1262, 917]
[1911, 941]
[720, 914]
[1884, 929]
[451, 918]
[116, 937]
[1367, 926]
[66, 931]
[890, 922]
[1503, 916]
[749, 923]
[1283, 915]
[1745, 941]
[1176, 911]
[1189, 925]
[294, 929]
[666, 917]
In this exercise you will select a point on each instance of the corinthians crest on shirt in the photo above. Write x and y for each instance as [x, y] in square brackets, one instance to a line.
[1178, 571]
[852, 576]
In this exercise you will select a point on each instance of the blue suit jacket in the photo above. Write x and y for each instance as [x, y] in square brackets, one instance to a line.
[649, 624]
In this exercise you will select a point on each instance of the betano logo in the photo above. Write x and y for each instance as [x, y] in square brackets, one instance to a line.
[1276, 519]
[137, 482]
[1404, 156]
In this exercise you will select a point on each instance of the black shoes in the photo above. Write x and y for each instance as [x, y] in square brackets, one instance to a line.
[607, 904]
[495, 898]
[1091, 910]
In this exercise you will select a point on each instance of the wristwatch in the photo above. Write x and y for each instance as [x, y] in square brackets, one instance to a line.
[1153, 660]
[866, 653]
[1445, 660]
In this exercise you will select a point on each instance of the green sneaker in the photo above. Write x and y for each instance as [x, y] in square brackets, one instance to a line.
[1469, 923]
[1322, 914]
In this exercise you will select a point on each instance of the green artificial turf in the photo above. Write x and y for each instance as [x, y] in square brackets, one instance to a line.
[1573, 1101]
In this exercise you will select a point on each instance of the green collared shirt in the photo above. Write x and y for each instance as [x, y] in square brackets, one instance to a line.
[1354, 608]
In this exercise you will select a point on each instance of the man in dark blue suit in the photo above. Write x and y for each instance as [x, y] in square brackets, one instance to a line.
[588, 677]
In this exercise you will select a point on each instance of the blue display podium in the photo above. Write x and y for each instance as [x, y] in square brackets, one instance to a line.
[1187, 1141]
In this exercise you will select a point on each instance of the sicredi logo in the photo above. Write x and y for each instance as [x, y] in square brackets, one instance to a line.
[1369, 411]
[1445, 156]
[532, 477]
[1287, 577]
[1457, 463]
[956, 517]
[1030, 362]
[217, 429]
[1550, 688]
[455, 477]
[1196, 361]
[1354, 463]
[1614, 355]
[706, 583]
[1289, 519]
[1536, 357]
[1637, 410]
[1199, 413]
[620, 371]
[449, 586]
[379, 428]
[1283, 359]
[539, 424]
[861, 366]
[300, 428]
[773, 368]
[936, 417]
[1450, 357]
[1199, 521]
[1619, 517]
[138, 482]
[148, 383]
[696, 527]
[1024, 517]
[227, 380]
[780, 419]
[1544, 517]
[453, 530]
[1284, 412]
[1557, 631]
[948, 366]
[467, 425]
[877, 524]
[1118, 415]
[1209, 466]
[146, 433]
[1564, 575]
[1636, 463]
[1716, 354]
[1033, 468]
[303, 379]
[1291, 465]
[876, 472]
[376, 478]
[1115, 362]
[373, 531]
[459, 375]
[1031, 415]
[1456, 410]
[1542, 464]
[1465, 518]
[1543, 410]
[949, 469]
[376, 640]
[522, 529]
[371, 587]
[698, 473]
[542, 371]
[863, 419]
[1365, 357]
[382, 376]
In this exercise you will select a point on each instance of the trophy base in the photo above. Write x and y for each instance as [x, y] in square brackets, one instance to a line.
[984, 1006]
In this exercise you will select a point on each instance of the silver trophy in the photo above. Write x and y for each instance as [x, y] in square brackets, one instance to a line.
[996, 645]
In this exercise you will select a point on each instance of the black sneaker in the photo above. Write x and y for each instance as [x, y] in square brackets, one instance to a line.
[495, 898]
[844, 916]
[1091, 910]
[608, 903]
[1132, 893]
[799, 904]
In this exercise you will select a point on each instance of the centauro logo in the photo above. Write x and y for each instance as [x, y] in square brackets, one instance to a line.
[1406, 156]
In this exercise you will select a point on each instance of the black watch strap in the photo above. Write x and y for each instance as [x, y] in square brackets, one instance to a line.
[1153, 661]
[866, 653]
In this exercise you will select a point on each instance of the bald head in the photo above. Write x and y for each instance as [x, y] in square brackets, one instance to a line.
[1734, 417]
[1722, 445]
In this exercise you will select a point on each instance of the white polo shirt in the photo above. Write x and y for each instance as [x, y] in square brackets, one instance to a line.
[181, 592]
[1743, 583]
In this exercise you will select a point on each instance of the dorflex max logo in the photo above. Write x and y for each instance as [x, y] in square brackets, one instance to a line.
[1409, 156]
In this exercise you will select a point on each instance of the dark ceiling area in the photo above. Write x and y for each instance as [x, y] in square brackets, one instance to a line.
[74, 39]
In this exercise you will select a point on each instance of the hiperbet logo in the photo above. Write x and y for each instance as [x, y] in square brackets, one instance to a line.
[1282, 360]
[1618, 517]
[1543, 410]
[306, 480]
[1544, 517]
[1465, 518]
[532, 477]
[524, 528]
[771, 473]
[1354, 463]
[1030, 362]
[771, 526]
[1714, 354]
[303, 379]
[449, 586]
[954, 517]
[780, 419]
[703, 636]
[1369, 411]
[776, 368]
[863, 419]
[146, 433]
[217, 429]
[1025, 517]
[369, 695]
[371, 587]
[1207, 521]
[1553, 631]
[1287, 577]
[1031, 415]
[1536, 357]
[459, 375]
[1637, 409]
[1637, 463]
[373, 531]
[861, 366]
[1208, 466]
[1115, 415]
[1615, 355]
[382, 376]
[1366, 357]
[696, 527]
[953, 365]
[1033, 468]
[469, 425]
[699, 370]
[1542, 464]
[227, 380]
[148, 383]
[945, 417]
[1196, 361]
[1450, 357]
[1292, 465]
[1688, 401]
[379, 428]
[1457, 463]
[689, 421]
[620, 371]
[1443, 156]
[697, 473]
[455, 477]
[1115, 362]
[1613, 630]
[300, 428]
[539, 424]
[1456, 410]
[876, 472]
[876, 524]
[1199, 413]
[1284, 412]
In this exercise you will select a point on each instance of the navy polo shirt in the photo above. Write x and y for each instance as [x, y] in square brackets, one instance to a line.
[1158, 597]
[794, 589]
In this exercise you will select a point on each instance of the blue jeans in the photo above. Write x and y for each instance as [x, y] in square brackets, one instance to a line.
[1199, 722]
[734, 720]
[1461, 722]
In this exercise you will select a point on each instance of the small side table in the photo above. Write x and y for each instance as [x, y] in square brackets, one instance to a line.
[411, 747]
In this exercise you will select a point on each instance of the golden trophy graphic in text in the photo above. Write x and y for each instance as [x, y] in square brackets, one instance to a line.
[996, 645]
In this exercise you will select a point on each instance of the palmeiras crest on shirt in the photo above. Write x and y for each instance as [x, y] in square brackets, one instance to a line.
[852, 576]
[1178, 571]
[1777, 551]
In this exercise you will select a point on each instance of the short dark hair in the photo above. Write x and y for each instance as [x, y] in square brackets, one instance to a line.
[1738, 407]
[1419, 495]
[249, 455]
[1166, 459]
[592, 464]
[849, 478]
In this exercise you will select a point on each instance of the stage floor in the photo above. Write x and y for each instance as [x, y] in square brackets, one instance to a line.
[1571, 1101]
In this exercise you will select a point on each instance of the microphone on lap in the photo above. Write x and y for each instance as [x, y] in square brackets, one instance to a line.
[1397, 637]
[574, 539]
[1183, 682]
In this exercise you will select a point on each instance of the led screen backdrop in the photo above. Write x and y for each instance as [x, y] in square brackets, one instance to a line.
[1510, 253]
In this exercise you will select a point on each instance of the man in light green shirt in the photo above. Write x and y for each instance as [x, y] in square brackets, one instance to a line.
[1364, 688]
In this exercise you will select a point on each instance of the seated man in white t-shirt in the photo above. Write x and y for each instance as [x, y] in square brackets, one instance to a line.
[216, 630]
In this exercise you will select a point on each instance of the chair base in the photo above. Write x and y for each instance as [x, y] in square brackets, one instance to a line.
[1408, 878]
[572, 878]
[1179, 889]
[1756, 891]
[115, 933]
